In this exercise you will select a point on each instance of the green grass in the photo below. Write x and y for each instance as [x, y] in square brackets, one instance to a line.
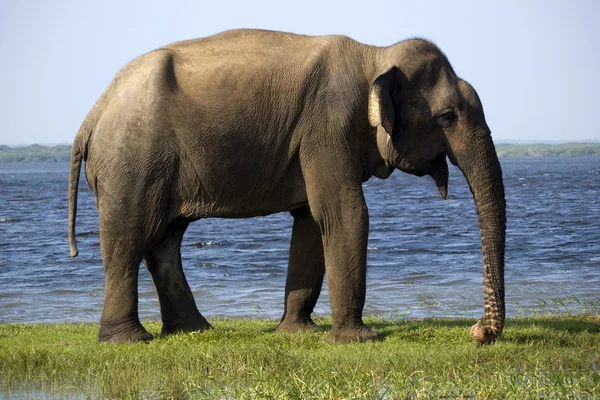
[549, 357]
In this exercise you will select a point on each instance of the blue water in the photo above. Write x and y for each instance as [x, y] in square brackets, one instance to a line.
[424, 254]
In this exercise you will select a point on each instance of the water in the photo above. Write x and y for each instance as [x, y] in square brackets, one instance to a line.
[424, 256]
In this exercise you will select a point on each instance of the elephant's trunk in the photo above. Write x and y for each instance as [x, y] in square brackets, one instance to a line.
[481, 167]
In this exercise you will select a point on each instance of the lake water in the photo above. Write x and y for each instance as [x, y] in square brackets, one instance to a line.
[424, 254]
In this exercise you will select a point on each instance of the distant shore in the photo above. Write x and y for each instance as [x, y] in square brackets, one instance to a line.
[62, 152]
[35, 153]
[572, 149]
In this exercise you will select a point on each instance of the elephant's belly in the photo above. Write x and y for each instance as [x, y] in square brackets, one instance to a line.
[241, 201]
[244, 209]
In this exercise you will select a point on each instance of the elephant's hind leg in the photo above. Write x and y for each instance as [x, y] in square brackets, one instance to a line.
[177, 306]
[305, 274]
[119, 321]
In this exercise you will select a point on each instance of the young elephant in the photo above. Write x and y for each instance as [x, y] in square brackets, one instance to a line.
[248, 123]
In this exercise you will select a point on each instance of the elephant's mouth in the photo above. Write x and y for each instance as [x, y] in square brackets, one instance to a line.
[437, 169]
[426, 168]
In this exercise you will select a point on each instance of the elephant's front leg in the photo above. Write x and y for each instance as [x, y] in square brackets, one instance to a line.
[305, 274]
[344, 223]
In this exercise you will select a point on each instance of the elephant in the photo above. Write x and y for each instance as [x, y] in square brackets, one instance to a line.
[248, 123]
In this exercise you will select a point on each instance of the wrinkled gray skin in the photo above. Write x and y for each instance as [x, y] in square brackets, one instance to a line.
[248, 123]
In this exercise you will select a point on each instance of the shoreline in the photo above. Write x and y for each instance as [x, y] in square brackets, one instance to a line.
[61, 153]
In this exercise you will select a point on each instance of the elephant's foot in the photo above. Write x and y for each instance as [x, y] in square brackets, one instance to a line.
[190, 324]
[123, 333]
[293, 325]
[353, 334]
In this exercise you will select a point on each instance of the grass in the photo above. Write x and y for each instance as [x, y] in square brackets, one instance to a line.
[549, 357]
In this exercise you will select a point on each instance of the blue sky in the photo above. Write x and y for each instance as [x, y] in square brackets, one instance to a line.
[535, 64]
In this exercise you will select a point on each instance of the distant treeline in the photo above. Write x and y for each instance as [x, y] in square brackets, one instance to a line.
[62, 152]
[548, 150]
[35, 153]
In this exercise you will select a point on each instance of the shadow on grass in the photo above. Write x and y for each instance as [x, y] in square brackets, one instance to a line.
[560, 331]
[559, 323]
[553, 329]
[568, 324]
[573, 324]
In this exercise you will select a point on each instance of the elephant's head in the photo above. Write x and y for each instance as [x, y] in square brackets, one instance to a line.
[423, 112]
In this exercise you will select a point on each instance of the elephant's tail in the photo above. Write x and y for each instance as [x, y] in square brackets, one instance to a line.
[76, 158]
[78, 154]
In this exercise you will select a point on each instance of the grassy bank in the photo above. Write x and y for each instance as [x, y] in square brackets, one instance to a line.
[536, 357]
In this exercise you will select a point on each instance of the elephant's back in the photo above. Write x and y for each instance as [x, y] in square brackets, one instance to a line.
[242, 43]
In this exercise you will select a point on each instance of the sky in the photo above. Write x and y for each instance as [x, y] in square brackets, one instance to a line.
[535, 64]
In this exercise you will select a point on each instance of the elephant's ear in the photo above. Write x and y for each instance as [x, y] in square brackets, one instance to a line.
[381, 106]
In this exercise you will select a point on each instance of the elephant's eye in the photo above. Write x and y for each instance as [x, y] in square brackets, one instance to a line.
[447, 119]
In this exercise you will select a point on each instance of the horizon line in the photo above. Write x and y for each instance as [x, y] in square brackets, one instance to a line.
[499, 141]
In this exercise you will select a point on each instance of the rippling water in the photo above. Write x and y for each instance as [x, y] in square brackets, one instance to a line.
[424, 254]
